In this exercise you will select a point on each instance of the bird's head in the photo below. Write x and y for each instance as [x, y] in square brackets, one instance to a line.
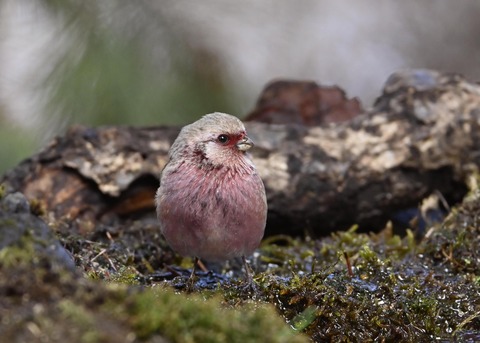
[216, 139]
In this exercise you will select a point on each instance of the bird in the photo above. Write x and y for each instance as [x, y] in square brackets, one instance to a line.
[211, 202]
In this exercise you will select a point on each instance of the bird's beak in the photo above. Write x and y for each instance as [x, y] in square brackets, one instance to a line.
[245, 144]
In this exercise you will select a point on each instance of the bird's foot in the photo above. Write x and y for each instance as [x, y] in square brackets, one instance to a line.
[249, 284]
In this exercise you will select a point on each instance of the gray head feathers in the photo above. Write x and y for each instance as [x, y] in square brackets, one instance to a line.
[207, 128]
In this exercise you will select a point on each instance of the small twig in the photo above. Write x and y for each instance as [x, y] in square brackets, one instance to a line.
[103, 251]
[110, 261]
[349, 265]
[171, 270]
[109, 236]
[202, 266]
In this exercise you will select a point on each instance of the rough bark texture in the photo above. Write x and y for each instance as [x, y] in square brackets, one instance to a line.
[421, 136]
[303, 102]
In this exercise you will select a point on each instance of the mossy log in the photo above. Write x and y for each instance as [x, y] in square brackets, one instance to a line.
[421, 136]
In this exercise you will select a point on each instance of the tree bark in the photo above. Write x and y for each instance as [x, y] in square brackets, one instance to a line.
[421, 136]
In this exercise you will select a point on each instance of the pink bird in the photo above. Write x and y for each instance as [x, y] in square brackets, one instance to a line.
[211, 202]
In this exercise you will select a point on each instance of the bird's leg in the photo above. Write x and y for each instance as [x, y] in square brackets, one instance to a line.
[202, 266]
[248, 272]
[249, 287]
[191, 279]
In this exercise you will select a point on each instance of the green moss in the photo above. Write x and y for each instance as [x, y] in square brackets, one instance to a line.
[370, 257]
[82, 319]
[397, 289]
[393, 288]
[197, 320]
[302, 320]
[37, 207]
[125, 275]
[456, 242]
[21, 253]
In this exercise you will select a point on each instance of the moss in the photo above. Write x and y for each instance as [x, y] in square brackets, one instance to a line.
[349, 286]
[82, 319]
[12, 256]
[125, 275]
[197, 320]
[456, 242]
[44, 300]
[303, 320]
[37, 207]
[20, 253]
[397, 288]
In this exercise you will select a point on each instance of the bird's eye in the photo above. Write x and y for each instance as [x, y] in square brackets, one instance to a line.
[223, 139]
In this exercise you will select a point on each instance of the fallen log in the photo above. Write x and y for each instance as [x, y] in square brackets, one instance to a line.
[420, 137]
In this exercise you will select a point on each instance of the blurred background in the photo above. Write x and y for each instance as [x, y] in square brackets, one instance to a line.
[152, 62]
